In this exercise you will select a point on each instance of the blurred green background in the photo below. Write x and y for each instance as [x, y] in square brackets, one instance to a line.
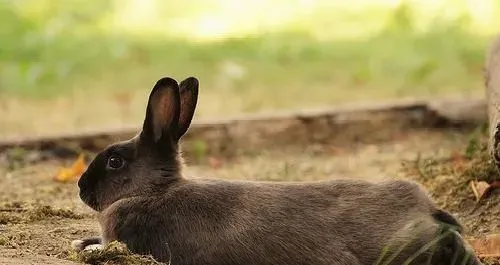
[74, 65]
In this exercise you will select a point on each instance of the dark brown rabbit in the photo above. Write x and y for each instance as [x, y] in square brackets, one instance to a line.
[143, 200]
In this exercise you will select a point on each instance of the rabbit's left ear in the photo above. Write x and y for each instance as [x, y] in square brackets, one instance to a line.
[189, 97]
[162, 113]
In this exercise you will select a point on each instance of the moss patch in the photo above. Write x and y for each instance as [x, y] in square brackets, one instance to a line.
[15, 213]
[113, 253]
[45, 211]
[491, 261]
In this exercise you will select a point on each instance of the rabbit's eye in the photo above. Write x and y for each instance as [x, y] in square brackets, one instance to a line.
[115, 162]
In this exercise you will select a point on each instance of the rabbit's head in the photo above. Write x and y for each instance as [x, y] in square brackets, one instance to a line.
[149, 161]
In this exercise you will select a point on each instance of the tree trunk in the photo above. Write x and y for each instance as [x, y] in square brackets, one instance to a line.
[492, 83]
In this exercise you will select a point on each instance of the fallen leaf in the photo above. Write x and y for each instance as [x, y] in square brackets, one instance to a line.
[486, 247]
[73, 173]
[480, 189]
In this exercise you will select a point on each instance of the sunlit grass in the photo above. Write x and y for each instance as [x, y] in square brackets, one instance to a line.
[82, 44]
[216, 19]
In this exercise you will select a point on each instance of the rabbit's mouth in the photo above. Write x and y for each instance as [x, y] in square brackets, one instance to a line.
[90, 199]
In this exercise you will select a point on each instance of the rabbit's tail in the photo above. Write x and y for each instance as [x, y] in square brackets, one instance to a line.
[453, 249]
[447, 219]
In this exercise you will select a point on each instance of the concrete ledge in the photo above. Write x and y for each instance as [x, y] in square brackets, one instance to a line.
[355, 123]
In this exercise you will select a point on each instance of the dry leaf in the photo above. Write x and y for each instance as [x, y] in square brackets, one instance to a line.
[480, 189]
[488, 246]
[73, 173]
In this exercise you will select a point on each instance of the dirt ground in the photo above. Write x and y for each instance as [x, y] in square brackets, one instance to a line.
[40, 217]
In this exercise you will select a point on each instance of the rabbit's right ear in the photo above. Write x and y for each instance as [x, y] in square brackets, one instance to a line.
[162, 113]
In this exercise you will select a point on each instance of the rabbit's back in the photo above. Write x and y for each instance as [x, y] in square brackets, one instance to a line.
[226, 222]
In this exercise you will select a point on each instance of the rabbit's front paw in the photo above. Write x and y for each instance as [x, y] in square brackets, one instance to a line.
[94, 247]
[87, 244]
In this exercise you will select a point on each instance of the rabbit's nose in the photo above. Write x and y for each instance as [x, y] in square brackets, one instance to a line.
[82, 181]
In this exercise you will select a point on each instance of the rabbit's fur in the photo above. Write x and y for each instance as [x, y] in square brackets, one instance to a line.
[146, 203]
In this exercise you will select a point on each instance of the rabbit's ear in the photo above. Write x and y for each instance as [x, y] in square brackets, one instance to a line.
[189, 97]
[162, 113]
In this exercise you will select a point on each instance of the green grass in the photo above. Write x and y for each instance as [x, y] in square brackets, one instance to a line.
[396, 61]
[74, 58]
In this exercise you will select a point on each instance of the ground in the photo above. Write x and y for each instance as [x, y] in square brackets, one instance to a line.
[40, 217]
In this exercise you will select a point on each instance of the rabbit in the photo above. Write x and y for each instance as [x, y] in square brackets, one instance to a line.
[143, 200]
